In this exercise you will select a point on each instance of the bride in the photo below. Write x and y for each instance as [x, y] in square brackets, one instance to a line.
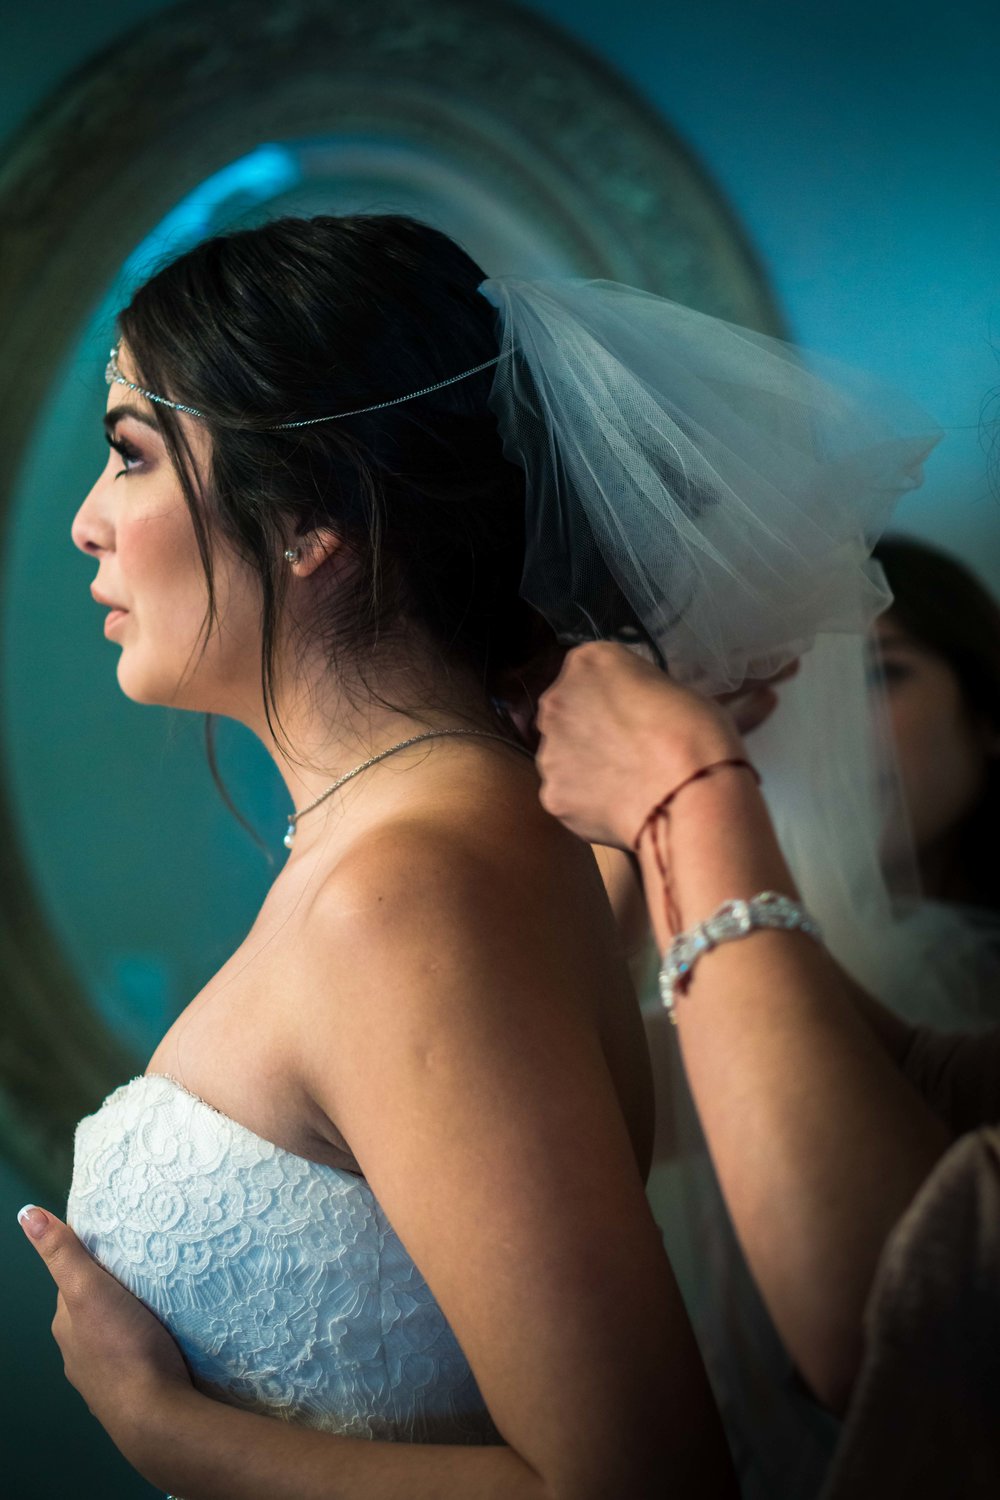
[383, 1177]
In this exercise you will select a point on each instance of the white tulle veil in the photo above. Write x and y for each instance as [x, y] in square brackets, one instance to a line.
[729, 490]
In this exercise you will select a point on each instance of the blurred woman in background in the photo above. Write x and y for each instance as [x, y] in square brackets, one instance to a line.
[939, 647]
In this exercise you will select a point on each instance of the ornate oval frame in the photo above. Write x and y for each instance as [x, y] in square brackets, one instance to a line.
[510, 101]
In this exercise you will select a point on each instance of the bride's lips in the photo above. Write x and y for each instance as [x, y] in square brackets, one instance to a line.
[117, 614]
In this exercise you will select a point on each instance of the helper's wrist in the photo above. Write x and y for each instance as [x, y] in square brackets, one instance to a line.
[671, 767]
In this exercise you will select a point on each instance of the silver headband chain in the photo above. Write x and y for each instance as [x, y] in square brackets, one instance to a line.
[114, 376]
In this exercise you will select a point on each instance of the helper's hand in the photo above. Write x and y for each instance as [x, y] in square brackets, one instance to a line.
[616, 736]
[756, 700]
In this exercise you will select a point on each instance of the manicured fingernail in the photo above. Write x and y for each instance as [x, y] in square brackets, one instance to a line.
[34, 1221]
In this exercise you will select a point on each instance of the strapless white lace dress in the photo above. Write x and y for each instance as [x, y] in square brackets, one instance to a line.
[282, 1281]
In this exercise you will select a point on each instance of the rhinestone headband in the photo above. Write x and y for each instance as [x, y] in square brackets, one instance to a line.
[114, 376]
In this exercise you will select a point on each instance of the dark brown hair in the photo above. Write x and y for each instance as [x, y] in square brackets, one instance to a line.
[307, 317]
[941, 604]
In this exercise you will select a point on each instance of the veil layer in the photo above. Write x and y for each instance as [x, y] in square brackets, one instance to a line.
[706, 475]
[725, 491]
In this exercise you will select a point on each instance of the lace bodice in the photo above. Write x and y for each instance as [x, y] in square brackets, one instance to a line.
[282, 1281]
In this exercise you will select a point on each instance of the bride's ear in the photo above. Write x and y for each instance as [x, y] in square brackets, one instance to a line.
[311, 550]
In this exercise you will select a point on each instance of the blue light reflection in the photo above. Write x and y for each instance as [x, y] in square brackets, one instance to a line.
[226, 196]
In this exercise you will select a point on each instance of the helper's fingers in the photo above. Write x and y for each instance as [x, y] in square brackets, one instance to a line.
[756, 684]
[753, 709]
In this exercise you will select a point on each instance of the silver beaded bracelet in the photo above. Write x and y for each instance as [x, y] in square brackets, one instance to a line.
[734, 919]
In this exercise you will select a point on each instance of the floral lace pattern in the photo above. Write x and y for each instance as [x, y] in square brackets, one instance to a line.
[281, 1279]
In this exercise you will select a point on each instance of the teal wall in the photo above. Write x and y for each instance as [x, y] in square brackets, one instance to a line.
[858, 142]
[860, 145]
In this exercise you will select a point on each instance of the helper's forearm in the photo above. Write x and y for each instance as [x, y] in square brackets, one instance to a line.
[818, 1140]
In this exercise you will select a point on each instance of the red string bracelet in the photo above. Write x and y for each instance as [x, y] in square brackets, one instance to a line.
[661, 813]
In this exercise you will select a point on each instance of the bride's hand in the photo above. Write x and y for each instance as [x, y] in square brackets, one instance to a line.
[115, 1352]
[616, 736]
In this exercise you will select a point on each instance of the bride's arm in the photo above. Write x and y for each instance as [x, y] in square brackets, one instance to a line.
[819, 1141]
[461, 1058]
[467, 1072]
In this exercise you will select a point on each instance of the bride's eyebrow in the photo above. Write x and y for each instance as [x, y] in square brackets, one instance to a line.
[119, 413]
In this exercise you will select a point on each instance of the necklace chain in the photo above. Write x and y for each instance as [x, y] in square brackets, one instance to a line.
[430, 734]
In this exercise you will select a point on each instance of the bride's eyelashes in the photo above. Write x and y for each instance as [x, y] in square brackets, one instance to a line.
[127, 452]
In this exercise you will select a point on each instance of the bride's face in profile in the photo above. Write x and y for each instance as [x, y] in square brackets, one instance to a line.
[136, 525]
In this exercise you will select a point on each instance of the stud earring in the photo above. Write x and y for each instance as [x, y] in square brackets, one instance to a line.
[293, 554]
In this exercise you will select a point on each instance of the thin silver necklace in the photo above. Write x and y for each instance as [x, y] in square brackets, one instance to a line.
[430, 734]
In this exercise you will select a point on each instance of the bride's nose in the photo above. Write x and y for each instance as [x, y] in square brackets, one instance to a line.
[92, 530]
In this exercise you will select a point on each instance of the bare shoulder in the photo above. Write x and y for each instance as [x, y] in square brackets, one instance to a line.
[462, 949]
[466, 852]
[456, 918]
